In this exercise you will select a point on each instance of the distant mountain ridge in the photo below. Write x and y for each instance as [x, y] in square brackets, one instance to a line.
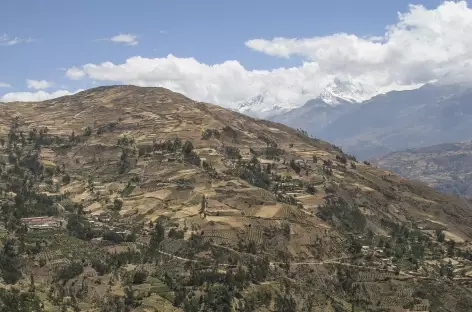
[398, 120]
[338, 99]
[446, 167]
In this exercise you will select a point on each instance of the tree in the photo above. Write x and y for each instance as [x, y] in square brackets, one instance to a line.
[139, 277]
[440, 236]
[203, 206]
[66, 179]
[187, 148]
[117, 204]
[285, 303]
[70, 271]
[157, 236]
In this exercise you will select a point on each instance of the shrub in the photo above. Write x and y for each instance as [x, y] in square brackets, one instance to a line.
[87, 131]
[113, 237]
[70, 271]
[117, 204]
[310, 189]
[100, 267]
[139, 277]
[187, 148]
[66, 179]
[176, 234]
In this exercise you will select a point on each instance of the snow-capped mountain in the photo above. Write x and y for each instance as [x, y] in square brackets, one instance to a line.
[338, 92]
[260, 106]
[337, 99]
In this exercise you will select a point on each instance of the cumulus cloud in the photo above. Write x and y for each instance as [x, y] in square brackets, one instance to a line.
[127, 39]
[38, 84]
[74, 73]
[4, 85]
[423, 46]
[7, 40]
[35, 96]
[226, 84]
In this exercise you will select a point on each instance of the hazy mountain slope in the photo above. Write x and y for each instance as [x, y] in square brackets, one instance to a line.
[314, 116]
[395, 121]
[446, 167]
[222, 210]
[338, 98]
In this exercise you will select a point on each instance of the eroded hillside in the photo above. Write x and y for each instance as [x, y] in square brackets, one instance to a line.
[173, 204]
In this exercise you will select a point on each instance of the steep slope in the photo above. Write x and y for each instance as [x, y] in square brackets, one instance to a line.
[446, 167]
[179, 205]
[432, 114]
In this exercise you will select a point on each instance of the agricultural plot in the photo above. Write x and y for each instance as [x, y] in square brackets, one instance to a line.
[221, 237]
[253, 234]
[291, 213]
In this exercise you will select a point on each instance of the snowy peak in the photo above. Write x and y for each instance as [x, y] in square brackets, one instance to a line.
[251, 103]
[338, 92]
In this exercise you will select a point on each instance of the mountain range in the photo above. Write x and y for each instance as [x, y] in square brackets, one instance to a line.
[336, 93]
[432, 114]
[123, 198]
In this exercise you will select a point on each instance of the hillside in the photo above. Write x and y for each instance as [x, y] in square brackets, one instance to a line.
[161, 203]
[446, 167]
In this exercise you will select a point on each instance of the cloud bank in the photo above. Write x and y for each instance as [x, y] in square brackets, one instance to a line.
[34, 96]
[423, 46]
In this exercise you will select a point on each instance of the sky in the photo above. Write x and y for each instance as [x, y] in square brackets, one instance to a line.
[226, 52]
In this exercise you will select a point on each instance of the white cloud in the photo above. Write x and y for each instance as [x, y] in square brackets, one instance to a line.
[163, 32]
[38, 84]
[6, 40]
[424, 45]
[34, 96]
[75, 73]
[127, 39]
[224, 84]
[4, 85]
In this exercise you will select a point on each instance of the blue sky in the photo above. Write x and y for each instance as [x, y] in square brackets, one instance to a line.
[67, 33]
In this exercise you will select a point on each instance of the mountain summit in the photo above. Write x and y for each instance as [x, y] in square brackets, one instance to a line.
[339, 92]
[336, 93]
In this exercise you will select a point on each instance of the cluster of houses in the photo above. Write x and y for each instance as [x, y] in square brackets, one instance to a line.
[43, 223]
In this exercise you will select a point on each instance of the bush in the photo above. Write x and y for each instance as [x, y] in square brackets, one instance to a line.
[87, 131]
[113, 237]
[70, 271]
[100, 267]
[139, 277]
[66, 179]
[176, 234]
[117, 204]
[187, 148]
[310, 189]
